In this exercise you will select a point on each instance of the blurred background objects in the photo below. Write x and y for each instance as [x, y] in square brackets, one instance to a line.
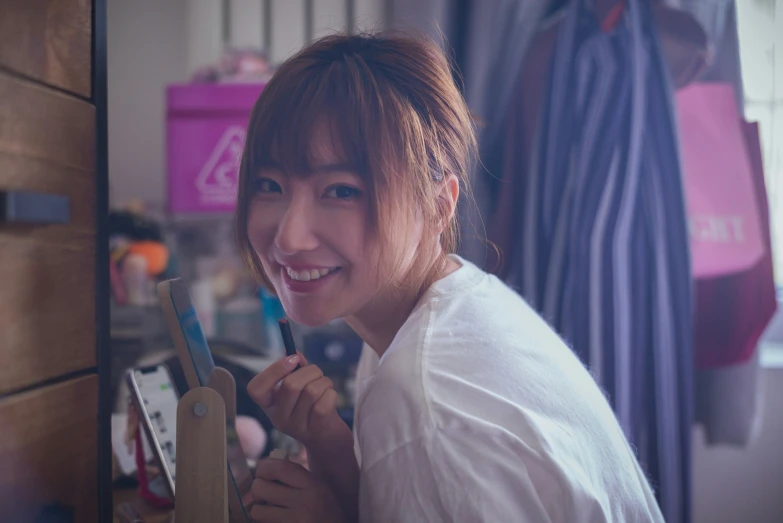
[179, 95]
[629, 186]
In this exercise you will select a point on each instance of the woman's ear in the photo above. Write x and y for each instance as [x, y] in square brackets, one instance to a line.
[447, 199]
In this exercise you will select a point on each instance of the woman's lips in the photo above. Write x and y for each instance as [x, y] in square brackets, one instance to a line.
[306, 286]
[308, 273]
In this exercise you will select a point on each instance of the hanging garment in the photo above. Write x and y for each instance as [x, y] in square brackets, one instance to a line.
[488, 39]
[728, 403]
[499, 34]
[724, 217]
[523, 115]
[731, 314]
[719, 19]
[728, 398]
[733, 309]
[603, 248]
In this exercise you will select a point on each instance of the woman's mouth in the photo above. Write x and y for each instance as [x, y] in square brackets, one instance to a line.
[307, 280]
[310, 274]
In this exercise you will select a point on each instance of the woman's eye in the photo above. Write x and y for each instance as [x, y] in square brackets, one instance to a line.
[343, 192]
[265, 185]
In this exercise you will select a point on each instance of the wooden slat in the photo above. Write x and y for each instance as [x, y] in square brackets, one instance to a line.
[47, 294]
[43, 126]
[48, 451]
[47, 309]
[48, 40]
[31, 174]
[202, 473]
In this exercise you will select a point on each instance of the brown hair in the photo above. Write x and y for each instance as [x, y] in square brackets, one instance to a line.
[395, 113]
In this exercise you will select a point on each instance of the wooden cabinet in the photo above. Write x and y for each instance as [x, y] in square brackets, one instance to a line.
[47, 272]
[48, 450]
[54, 424]
[49, 41]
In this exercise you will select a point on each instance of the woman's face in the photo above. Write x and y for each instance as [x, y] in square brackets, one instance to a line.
[312, 237]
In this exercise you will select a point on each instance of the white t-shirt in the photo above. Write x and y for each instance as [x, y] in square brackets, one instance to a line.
[479, 412]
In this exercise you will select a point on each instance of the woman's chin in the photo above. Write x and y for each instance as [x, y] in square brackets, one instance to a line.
[307, 322]
[309, 318]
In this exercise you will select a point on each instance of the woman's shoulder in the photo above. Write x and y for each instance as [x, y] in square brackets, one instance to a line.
[471, 348]
[487, 314]
[471, 328]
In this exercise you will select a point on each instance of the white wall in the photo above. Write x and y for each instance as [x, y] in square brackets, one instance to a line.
[147, 49]
[733, 485]
[152, 43]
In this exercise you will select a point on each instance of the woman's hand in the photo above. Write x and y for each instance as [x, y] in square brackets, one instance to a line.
[287, 493]
[301, 404]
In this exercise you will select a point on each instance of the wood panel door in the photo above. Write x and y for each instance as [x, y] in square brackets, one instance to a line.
[54, 438]
[48, 450]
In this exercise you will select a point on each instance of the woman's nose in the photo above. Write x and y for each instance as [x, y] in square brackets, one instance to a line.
[295, 232]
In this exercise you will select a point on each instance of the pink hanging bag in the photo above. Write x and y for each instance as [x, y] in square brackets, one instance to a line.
[723, 216]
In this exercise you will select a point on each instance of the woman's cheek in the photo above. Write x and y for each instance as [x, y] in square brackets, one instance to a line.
[261, 229]
[349, 231]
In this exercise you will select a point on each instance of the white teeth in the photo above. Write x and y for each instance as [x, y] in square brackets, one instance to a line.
[307, 275]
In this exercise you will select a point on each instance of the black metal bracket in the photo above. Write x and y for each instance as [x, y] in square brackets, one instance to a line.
[28, 207]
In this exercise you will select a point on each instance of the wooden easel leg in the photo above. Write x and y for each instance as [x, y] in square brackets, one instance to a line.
[222, 381]
[201, 484]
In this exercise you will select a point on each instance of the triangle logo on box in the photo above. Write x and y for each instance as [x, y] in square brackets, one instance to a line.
[218, 178]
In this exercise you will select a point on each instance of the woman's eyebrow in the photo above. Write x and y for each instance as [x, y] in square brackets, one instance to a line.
[332, 168]
[270, 164]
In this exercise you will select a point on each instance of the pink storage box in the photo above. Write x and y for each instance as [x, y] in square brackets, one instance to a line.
[205, 134]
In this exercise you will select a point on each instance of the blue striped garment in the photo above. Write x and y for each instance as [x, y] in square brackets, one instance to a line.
[604, 249]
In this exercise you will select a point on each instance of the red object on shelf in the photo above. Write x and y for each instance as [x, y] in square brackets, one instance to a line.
[144, 484]
[118, 290]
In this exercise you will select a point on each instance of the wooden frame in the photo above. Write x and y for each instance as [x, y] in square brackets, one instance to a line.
[203, 488]
[203, 479]
[98, 90]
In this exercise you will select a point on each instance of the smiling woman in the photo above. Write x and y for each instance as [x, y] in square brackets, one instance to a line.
[346, 163]
[396, 136]
[470, 407]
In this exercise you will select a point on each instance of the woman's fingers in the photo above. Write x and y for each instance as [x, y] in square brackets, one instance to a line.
[285, 472]
[261, 387]
[285, 398]
[269, 514]
[312, 392]
[323, 409]
[288, 396]
[273, 493]
[325, 421]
